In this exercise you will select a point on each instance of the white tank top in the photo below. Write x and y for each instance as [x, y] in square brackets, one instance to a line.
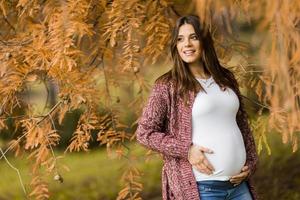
[214, 126]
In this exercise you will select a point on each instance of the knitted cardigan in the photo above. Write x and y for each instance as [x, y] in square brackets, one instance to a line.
[165, 126]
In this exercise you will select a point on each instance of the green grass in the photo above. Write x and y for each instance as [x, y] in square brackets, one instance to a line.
[278, 175]
[92, 175]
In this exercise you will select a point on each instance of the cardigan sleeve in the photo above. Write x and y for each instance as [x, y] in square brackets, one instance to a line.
[150, 131]
[251, 154]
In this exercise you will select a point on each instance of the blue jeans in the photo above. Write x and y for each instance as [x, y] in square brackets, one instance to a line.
[223, 190]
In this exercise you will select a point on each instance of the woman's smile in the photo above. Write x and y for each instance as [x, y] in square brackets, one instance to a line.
[189, 52]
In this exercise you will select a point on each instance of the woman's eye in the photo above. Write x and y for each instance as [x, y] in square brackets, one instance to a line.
[194, 37]
[179, 39]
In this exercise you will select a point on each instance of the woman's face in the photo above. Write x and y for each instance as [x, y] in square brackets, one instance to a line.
[188, 44]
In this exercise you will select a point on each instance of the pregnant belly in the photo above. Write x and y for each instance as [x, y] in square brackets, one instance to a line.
[229, 154]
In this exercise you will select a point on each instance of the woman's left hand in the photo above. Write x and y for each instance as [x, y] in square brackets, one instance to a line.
[237, 179]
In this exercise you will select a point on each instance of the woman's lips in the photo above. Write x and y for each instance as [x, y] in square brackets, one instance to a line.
[189, 52]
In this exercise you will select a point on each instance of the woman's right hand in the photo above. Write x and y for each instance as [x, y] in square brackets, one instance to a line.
[198, 160]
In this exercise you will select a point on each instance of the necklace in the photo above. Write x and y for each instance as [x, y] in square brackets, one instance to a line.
[204, 80]
[207, 82]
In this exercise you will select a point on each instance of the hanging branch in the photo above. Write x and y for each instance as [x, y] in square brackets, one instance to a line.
[44, 117]
[14, 168]
[110, 100]
[257, 103]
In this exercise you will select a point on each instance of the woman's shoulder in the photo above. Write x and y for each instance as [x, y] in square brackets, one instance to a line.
[165, 80]
[163, 85]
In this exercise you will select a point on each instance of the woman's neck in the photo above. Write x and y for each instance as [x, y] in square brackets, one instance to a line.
[198, 71]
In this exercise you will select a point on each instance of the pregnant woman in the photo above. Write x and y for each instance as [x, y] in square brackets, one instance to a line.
[195, 117]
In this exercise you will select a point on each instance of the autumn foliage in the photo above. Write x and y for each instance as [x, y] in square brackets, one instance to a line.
[80, 49]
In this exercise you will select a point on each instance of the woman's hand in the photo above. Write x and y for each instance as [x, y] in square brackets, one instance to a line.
[237, 179]
[198, 160]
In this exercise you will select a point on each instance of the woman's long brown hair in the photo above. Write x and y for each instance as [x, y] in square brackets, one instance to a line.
[180, 73]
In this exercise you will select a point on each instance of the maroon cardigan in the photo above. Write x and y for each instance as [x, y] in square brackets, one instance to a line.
[166, 127]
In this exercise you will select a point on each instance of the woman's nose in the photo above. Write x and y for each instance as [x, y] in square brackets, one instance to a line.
[187, 43]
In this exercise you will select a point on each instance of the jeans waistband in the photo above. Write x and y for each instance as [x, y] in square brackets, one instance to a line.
[216, 184]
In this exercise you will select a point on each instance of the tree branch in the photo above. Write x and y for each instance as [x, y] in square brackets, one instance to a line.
[40, 121]
[16, 169]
